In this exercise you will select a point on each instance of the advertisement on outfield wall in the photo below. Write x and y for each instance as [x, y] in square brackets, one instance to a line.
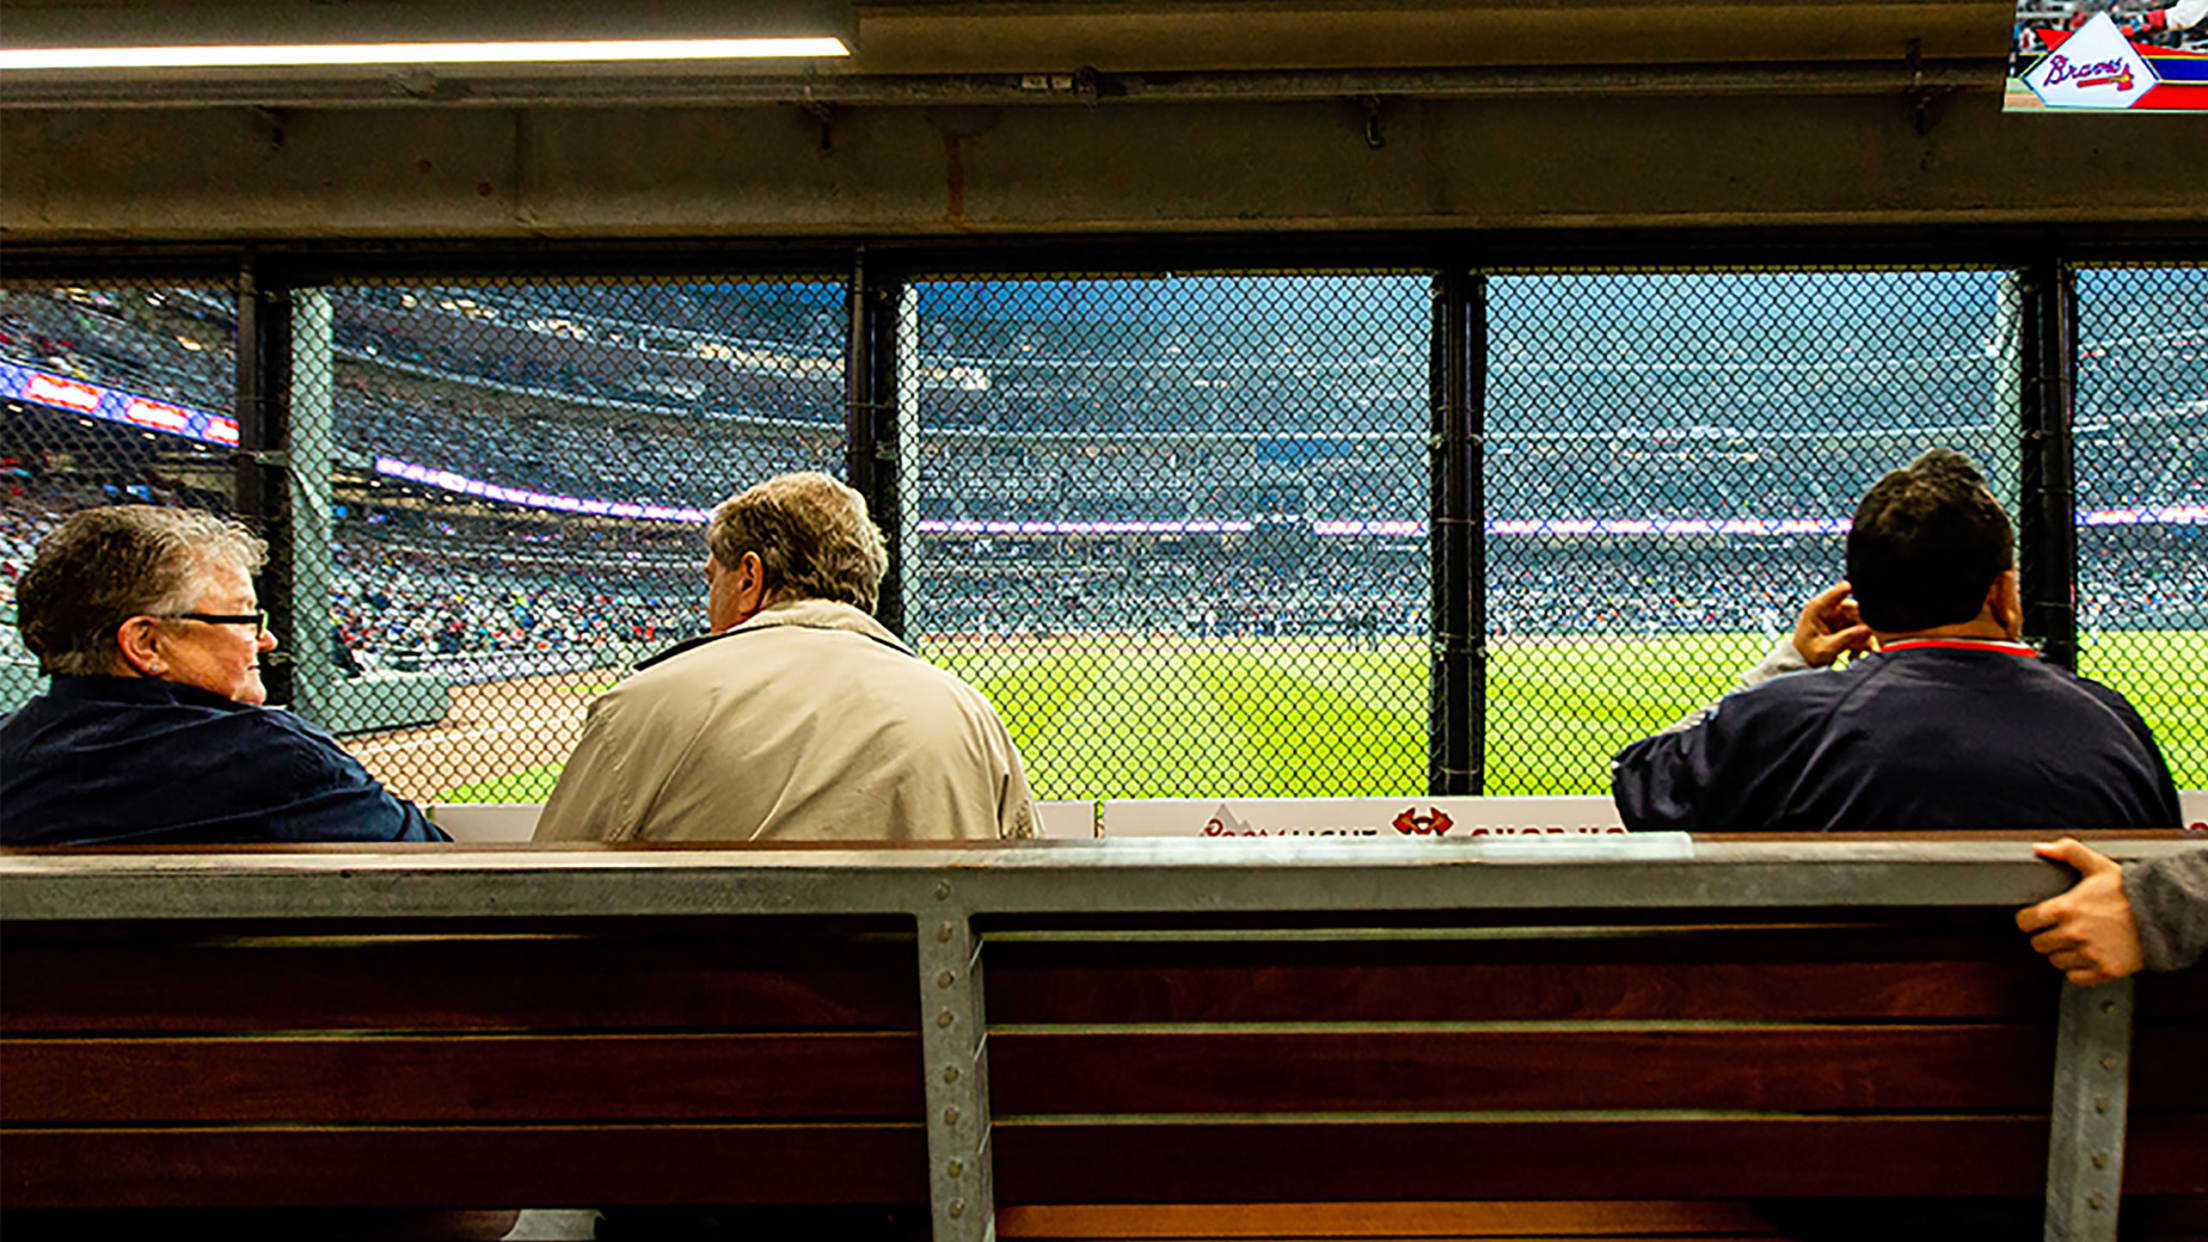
[1380, 819]
[2104, 56]
[1376, 819]
[1383, 819]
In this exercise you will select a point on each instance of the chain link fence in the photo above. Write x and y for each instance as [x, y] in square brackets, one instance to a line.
[115, 394]
[1175, 528]
[1672, 459]
[507, 494]
[2142, 469]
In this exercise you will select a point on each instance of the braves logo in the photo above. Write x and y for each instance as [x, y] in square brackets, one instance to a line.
[2104, 73]
[1410, 823]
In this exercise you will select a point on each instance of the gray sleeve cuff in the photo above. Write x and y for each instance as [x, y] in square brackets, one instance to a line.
[1783, 659]
[2169, 902]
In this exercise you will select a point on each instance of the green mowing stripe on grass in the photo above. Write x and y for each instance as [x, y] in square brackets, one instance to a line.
[1144, 730]
[1125, 717]
[1035, 686]
[1317, 741]
[2165, 675]
[1041, 692]
[528, 785]
[1559, 708]
[1389, 678]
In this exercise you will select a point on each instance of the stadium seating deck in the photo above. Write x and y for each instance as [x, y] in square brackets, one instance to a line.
[1182, 1039]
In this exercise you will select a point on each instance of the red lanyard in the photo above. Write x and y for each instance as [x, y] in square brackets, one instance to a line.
[1964, 644]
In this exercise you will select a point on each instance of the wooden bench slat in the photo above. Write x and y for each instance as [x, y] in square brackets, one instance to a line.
[1540, 1158]
[487, 1079]
[1606, 1220]
[2167, 1153]
[543, 1166]
[1036, 984]
[1886, 1068]
[517, 983]
[2176, 998]
[1791, 1069]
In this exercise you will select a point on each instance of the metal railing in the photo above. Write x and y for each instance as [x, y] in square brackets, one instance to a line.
[946, 890]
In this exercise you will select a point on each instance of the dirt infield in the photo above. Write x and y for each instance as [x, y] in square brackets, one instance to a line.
[493, 730]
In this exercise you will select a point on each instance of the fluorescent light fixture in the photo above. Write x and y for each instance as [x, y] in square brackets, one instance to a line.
[238, 56]
[289, 34]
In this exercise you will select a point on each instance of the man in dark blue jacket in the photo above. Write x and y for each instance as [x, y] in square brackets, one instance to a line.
[153, 732]
[1942, 720]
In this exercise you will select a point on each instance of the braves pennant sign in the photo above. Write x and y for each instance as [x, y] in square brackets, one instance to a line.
[2101, 59]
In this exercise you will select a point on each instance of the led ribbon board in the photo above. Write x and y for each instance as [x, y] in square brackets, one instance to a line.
[30, 385]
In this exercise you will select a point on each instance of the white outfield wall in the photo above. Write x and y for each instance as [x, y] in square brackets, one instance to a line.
[1383, 818]
[1376, 818]
[486, 823]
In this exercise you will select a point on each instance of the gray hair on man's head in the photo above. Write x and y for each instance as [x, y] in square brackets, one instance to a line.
[104, 566]
[811, 534]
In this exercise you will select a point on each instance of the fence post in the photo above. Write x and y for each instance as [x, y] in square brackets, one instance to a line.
[873, 424]
[1456, 386]
[263, 489]
[310, 433]
[2047, 537]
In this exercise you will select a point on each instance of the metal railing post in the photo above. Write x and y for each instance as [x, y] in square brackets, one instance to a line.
[2085, 1142]
[954, 1044]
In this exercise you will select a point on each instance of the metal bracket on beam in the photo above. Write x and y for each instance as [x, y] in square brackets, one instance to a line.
[275, 459]
[823, 113]
[1921, 93]
[2085, 1145]
[954, 1045]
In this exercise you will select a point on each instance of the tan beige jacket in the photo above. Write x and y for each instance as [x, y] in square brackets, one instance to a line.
[808, 722]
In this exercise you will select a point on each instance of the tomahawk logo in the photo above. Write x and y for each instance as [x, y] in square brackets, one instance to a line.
[1410, 823]
[2094, 68]
[1225, 823]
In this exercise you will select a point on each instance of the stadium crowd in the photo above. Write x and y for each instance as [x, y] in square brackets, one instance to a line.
[662, 394]
[391, 602]
[655, 394]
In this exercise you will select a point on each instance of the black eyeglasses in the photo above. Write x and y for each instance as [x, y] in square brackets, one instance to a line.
[258, 620]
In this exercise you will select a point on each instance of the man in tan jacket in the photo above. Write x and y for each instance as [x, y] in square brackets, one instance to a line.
[799, 717]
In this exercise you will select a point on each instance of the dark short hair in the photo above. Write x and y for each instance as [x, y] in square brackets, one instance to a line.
[1928, 541]
[104, 566]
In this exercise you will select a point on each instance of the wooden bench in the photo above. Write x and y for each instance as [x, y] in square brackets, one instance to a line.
[1183, 1039]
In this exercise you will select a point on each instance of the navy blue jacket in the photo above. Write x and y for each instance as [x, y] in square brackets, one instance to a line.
[127, 761]
[1923, 738]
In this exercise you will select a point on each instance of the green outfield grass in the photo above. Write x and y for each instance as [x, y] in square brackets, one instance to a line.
[1115, 716]
[527, 785]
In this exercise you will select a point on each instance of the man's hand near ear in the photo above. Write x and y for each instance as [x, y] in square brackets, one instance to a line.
[1829, 626]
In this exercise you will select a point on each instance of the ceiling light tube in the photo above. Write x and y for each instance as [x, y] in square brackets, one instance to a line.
[547, 51]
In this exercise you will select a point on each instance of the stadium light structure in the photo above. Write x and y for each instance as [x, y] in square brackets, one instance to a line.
[159, 36]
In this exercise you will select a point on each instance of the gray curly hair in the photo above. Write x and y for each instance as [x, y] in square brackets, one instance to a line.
[812, 535]
[104, 566]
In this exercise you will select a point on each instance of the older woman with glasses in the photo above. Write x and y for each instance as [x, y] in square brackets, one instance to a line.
[153, 731]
